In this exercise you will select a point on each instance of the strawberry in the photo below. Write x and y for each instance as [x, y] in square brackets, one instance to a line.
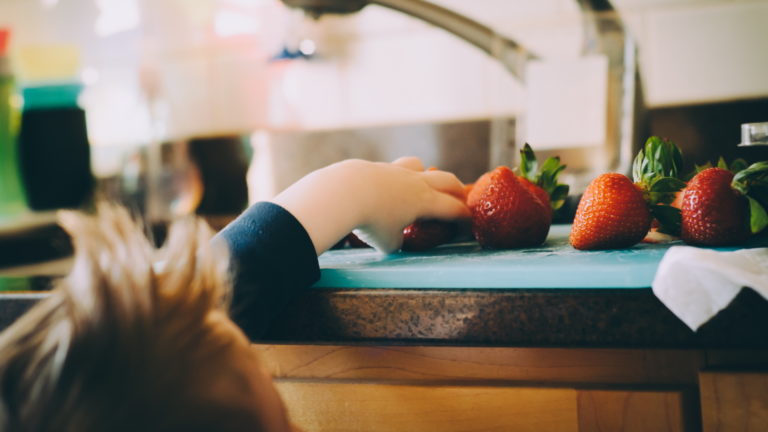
[426, 234]
[507, 214]
[616, 213]
[713, 213]
[539, 181]
[612, 214]
[539, 193]
[720, 208]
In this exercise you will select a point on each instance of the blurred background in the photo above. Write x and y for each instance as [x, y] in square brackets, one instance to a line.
[178, 106]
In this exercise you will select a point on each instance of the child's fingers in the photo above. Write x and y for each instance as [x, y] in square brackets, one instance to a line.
[410, 162]
[445, 182]
[446, 207]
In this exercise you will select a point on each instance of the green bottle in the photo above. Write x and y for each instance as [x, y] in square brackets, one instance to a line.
[12, 197]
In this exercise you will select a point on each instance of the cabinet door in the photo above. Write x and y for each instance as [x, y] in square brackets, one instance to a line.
[734, 401]
[383, 407]
[357, 407]
[630, 411]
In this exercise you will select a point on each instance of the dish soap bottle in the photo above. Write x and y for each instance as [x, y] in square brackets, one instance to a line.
[12, 197]
[54, 151]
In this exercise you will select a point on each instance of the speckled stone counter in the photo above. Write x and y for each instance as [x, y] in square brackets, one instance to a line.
[533, 318]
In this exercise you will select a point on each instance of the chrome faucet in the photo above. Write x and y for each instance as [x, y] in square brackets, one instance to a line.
[602, 35]
[511, 54]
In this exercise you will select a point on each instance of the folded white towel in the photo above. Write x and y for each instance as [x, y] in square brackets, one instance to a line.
[696, 283]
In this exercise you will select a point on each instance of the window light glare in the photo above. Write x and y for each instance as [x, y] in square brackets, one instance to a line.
[307, 47]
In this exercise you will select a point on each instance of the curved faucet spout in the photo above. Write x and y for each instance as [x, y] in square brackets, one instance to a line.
[604, 35]
[511, 54]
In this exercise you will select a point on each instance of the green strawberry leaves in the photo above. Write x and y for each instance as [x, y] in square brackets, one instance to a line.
[752, 182]
[670, 219]
[656, 169]
[736, 166]
[662, 189]
[529, 167]
[758, 218]
[558, 195]
[544, 176]
[659, 158]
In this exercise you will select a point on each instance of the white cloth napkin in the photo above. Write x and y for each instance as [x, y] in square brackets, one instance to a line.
[695, 283]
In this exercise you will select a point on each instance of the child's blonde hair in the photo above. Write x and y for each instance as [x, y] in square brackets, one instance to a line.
[128, 341]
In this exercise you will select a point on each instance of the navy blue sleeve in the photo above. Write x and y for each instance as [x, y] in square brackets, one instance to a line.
[273, 259]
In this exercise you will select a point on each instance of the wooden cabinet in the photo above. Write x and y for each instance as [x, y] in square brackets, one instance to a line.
[383, 407]
[734, 401]
[380, 407]
[463, 389]
[631, 410]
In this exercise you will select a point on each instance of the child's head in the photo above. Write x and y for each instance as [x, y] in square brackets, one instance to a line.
[135, 339]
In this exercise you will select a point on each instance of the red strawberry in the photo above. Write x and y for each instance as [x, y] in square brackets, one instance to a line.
[722, 208]
[507, 214]
[612, 214]
[426, 234]
[714, 214]
[539, 193]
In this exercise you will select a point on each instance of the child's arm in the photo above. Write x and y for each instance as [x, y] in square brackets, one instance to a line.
[274, 245]
[378, 199]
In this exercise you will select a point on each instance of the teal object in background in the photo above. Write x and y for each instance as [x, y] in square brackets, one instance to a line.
[51, 95]
[466, 266]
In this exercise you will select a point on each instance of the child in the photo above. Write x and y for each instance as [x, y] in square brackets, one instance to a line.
[138, 339]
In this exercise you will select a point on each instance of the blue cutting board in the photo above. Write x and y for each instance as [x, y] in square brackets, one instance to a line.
[555, 264]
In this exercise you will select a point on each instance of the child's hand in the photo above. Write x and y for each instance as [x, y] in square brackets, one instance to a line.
[376, 199]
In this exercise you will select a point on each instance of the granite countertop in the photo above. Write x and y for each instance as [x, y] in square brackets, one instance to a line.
[514, 318]
[449, 310]
[520, 317]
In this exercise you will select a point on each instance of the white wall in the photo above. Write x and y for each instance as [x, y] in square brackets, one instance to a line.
[691, 51]
[382, 67]
[696, 51]
[376, 67]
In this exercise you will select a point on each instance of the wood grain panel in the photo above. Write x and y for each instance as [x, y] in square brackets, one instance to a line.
[630, 411]
[734, 401]
[540, 365]
[350, 407]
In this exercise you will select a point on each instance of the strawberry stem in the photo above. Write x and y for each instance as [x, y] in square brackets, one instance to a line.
[656, 169]
[659, 158]
[752, 182]
[544, 176]
[735, 166]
